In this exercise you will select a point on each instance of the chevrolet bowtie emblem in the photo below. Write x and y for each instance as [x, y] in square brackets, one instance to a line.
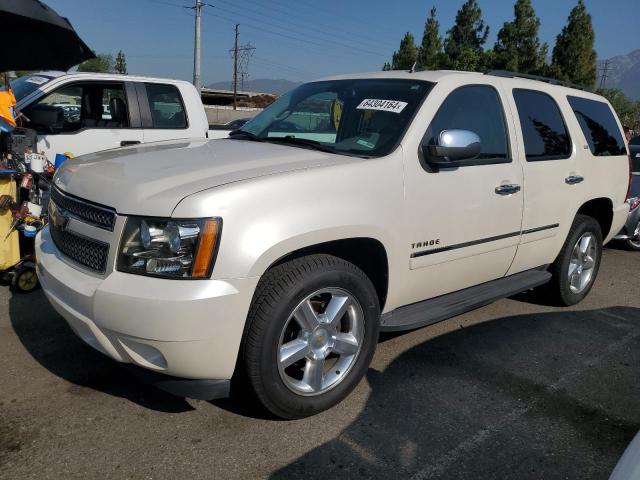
[58, 217]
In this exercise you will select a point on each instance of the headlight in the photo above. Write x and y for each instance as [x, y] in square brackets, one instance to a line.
[170, 248]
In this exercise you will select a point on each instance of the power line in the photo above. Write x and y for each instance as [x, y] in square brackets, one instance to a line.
[325, 30]
[377, 26]
[306, 35]
[343, 54]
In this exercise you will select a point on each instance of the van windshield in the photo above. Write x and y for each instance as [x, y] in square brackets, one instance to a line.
[361, 117]
[24, 86]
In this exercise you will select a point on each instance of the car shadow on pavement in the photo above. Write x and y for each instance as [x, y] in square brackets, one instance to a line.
[48, 338]
[550, 395]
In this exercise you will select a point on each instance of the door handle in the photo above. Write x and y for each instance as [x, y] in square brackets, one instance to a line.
[508, 189]
[126, 143]
[573, 179]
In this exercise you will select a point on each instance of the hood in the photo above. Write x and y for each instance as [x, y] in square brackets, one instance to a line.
[151, 179]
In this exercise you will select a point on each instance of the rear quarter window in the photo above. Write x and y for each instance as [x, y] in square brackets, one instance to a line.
[599, 126]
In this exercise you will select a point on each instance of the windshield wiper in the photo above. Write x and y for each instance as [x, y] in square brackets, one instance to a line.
[245, 134]
[304, 142]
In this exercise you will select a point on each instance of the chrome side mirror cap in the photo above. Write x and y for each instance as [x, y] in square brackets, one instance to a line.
[453, 146]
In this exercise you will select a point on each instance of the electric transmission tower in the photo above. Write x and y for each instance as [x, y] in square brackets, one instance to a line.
[241, 56]
[605, 71]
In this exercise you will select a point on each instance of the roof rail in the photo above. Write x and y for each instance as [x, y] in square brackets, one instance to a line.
[539, 78]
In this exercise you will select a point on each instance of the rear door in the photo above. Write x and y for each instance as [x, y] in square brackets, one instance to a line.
[553, 175]
[165, 115]
[97, 116]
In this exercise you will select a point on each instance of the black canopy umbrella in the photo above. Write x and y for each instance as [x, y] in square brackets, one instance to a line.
[37, 38]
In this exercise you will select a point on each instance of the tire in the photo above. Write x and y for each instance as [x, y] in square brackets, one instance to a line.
[24, 280]
[634, 244]
[294, 391]
[565, 289]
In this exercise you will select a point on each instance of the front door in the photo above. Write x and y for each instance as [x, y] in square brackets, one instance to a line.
[96, 116]
[465, 223]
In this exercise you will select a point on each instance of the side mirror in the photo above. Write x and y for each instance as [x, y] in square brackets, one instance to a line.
[453, 146]
[47, 117]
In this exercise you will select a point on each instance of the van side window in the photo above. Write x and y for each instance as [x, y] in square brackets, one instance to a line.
[165, 103]
[543, 128]
[86, 105]
[599, 127]
[476, 108]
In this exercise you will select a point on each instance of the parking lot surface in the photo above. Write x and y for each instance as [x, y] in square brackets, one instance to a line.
[513, 390]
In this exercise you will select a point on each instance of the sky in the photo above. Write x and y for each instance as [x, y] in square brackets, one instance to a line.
[301, 40]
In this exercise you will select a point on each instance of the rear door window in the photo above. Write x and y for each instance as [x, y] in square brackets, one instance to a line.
[543, 129]
[167, 108]
[599, 127]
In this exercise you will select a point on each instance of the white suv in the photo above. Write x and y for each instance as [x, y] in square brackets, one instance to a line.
[354, 204]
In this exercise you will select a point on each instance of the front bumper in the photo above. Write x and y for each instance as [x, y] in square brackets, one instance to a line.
[189, 329]
[628, 232]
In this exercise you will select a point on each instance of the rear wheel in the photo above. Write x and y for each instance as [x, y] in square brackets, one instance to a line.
[312, 330]
[576, 268]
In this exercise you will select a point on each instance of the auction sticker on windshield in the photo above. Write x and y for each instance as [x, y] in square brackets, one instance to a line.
[394, 106]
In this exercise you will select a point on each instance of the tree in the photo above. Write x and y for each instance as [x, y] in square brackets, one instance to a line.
[463, 47]
[406, 55]
[102, 63]
[628, 111]
[430, 53]
[574, 57]
[518, 48]
[121, 63]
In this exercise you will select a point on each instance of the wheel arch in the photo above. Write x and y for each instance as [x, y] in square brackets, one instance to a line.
[600, 209]
[367, 253]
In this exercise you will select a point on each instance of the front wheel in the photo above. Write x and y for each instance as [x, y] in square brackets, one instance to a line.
[312, 330]
[576, 268]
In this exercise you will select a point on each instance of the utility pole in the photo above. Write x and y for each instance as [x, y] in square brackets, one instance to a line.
[605, 70]
[196, 49]
[235, 69]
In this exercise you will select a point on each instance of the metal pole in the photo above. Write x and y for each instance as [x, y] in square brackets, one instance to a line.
[235, 69]
[196, 48]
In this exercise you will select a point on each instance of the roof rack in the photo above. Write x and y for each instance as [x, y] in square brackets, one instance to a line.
[539, 78]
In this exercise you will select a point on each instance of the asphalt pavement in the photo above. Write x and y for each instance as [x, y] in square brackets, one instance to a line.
[515, 390]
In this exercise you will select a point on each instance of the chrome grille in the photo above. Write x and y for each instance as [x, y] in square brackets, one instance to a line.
[99, 216]
[91, 253]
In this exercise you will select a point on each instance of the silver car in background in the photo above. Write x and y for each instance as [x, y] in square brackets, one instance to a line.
[630, 234]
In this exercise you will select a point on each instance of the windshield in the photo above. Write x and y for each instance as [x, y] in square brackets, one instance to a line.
[635, 141]
[24, 86]
[363, 117]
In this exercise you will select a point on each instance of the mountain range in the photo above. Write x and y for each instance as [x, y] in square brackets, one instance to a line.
[623, 72]
[261, 85]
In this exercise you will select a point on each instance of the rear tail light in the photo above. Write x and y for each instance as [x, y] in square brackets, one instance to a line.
[630, 176]
[633, 203]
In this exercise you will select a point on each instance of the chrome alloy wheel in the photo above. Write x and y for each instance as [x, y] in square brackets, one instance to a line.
[635, 241]
[321, 341]
[582, 263]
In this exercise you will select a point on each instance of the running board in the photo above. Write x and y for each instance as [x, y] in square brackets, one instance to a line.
[446, 306]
